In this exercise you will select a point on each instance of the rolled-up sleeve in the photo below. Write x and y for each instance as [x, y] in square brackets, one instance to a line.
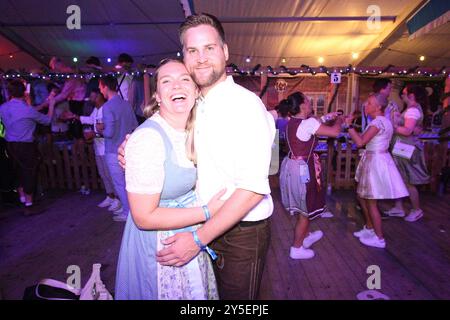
[254, 139]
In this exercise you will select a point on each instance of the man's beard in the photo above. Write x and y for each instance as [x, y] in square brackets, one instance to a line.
[210, 80]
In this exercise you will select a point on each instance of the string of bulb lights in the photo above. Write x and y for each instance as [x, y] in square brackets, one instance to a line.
[232, 68]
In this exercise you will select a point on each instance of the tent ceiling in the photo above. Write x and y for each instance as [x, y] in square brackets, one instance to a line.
[335, 40]
[265, 30]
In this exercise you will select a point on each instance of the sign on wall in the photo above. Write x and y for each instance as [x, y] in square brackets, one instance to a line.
[336, 77]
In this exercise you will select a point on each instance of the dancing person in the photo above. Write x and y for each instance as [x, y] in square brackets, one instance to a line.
[302, 191]
[20, 121]
[376, 174]
[413, 170]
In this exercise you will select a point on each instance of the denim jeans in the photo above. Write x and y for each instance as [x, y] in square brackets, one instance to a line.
[241, 255]
[118, 178]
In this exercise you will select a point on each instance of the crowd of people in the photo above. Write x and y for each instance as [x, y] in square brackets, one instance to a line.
[384, 171]
[71, 111]
[195, 201]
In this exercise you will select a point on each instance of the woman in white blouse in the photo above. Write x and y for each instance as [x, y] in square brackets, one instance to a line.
[302, 191]
[376, 174]
[413, 169]
[160, 178]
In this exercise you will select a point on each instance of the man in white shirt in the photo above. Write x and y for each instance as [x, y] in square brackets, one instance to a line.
[124, 63]
[111, 201]
[233, 153]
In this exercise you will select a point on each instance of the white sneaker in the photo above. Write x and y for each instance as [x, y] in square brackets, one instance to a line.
[327, 214]
[373, 241]
[105, 203]
[301, 253]
[395, 212]
[312, 238]
[115, 205]
[120, 218]
[364, 232]
[414, 215]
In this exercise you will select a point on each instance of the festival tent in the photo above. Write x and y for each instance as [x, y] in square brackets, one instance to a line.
[291, 33]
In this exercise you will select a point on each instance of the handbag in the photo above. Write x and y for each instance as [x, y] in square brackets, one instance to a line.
[50, 289]
[403, 150]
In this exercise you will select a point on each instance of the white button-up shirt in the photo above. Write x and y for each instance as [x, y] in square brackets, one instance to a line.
[96, 116]
[234, 134]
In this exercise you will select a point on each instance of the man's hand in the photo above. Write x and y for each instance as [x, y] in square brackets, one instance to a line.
[182, 248]
[121, 152]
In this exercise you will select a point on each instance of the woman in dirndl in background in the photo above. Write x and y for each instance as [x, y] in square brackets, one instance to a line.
[302, 191]
[376, 174]
[413, 170]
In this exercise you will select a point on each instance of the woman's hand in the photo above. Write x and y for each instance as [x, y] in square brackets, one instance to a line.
[215, 203]
[121, 152]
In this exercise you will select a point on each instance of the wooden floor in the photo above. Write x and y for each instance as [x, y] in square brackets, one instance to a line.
[73, 231]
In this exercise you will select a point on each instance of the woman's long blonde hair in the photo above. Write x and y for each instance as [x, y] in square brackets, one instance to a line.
[153, 107]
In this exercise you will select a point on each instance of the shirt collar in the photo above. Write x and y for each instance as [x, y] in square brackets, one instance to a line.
[219, 87]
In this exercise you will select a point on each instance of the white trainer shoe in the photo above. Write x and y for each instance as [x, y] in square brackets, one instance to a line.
[115, 205]
[414, 215]
[395, 212]
[105, 203]
[327, 214]
[312, 238]
[301, 253]
[373, 241]
[364, 232]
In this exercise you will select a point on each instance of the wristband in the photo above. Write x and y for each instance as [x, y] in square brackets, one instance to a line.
[206, 212]
[203, 247]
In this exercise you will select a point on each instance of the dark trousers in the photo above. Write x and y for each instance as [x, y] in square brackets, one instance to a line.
[75, 127]
[25, 158]
[6, 169]
[241, 255]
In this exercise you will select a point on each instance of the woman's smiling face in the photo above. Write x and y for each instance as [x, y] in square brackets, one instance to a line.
[176, 91]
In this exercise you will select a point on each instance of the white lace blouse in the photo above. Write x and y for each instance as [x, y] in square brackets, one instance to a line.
[145, 156]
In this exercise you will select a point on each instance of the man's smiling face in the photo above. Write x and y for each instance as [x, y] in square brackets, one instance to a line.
[205, 56]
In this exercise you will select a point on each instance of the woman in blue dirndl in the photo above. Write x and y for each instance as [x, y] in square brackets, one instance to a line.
[160, 179]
